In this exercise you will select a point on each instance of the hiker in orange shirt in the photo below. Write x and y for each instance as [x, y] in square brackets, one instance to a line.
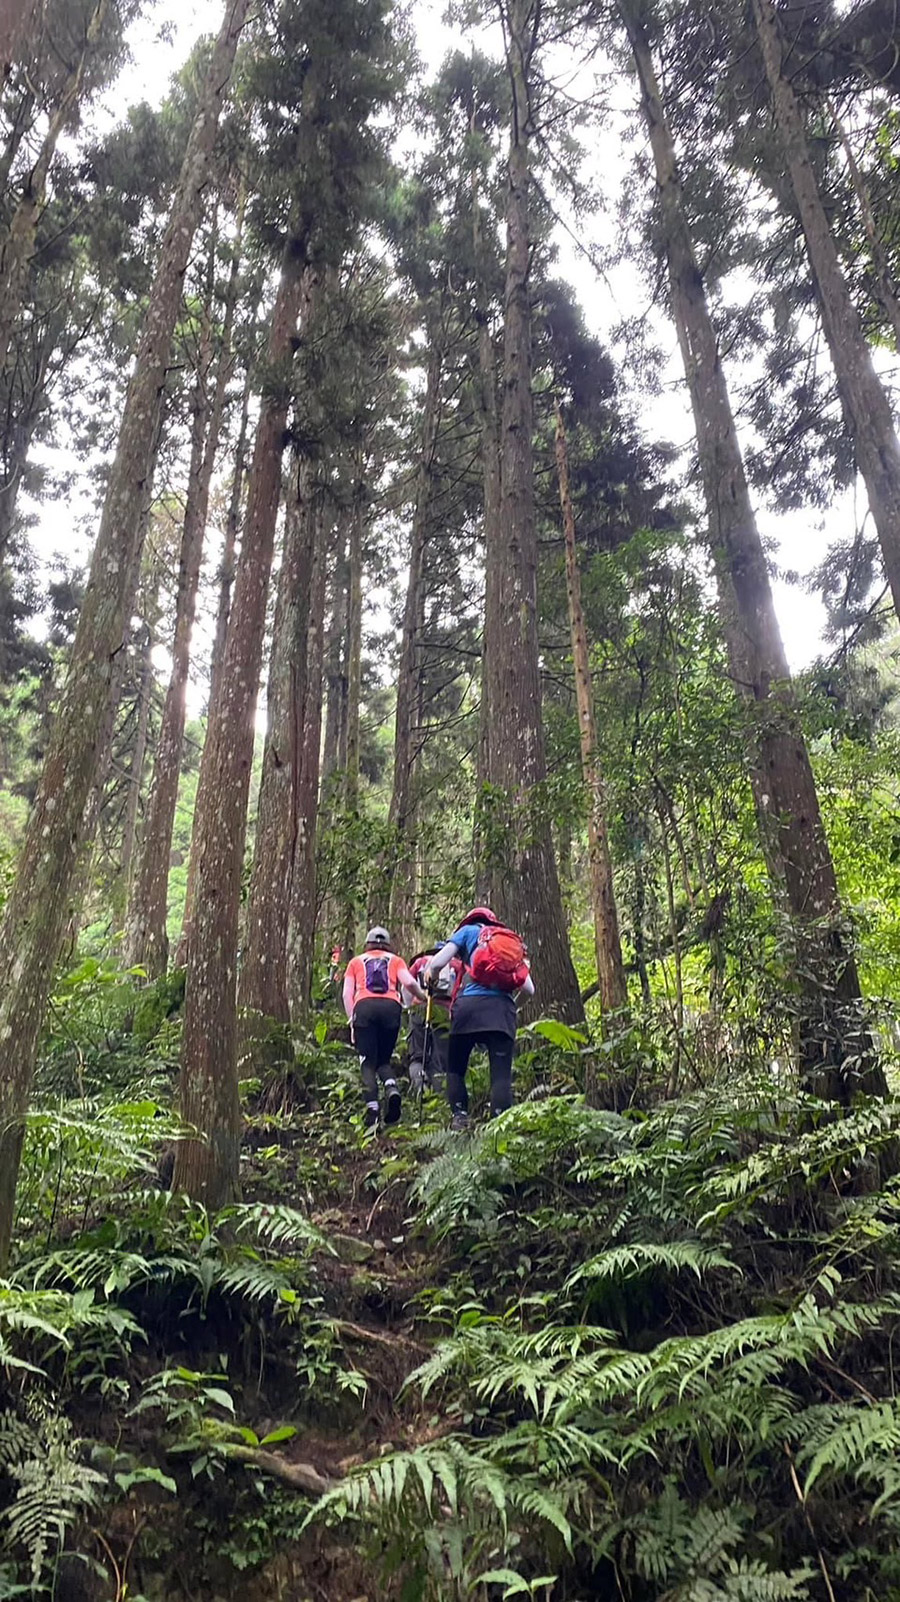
[373, 986]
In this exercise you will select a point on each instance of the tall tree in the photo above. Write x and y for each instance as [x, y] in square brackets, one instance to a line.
[607, 943]
[407, 735]
[303, 899]
[35, 913]
[207, 1167]
[263, 987]
[780, 768]
[526, 885]
[317, 167]
[147, 941]
[865, 404]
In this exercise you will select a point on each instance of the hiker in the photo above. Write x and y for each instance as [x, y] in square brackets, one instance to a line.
[483, 1010]
[428, 1056]
[373, 985]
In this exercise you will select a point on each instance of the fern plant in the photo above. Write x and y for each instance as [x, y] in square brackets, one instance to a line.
[53, 1487]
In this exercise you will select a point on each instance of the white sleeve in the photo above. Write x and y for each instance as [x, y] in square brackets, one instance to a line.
[441, 959]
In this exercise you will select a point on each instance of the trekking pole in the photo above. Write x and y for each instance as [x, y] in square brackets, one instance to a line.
[426, 1042]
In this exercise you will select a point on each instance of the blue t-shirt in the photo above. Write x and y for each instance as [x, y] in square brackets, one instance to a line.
[465, 940]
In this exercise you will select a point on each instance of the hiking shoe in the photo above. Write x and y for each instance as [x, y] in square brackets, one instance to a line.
[393, 1105]
[460, 1122]
[370, 1116]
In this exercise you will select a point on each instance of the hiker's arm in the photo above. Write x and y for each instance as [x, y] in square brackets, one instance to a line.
[440, 960]
[526, 989]
[347, 993]
[410, 986]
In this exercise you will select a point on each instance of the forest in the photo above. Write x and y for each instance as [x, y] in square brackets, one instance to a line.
[411, 422]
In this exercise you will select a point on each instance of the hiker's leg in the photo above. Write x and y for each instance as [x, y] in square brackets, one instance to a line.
[365, 1039]
[388, 1026]
[438, 1052]
[389, 1015]
[500, 1055]
[416, 1045]
[458, 1053]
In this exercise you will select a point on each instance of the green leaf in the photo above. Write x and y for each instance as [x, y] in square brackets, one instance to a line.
[285, 1432]
[220, 1398]
[146, 1476]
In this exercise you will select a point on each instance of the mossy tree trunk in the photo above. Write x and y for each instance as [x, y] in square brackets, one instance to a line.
[38, 906]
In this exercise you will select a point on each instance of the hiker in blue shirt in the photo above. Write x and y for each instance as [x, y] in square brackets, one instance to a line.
[483, 1011]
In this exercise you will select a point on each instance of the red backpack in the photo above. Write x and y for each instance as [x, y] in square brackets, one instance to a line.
[498, 959]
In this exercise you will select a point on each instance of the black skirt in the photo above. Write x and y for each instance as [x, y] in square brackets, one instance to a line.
[478, 1015]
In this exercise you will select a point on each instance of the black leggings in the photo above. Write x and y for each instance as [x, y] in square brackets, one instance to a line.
[376, 1025]
[500, 1048]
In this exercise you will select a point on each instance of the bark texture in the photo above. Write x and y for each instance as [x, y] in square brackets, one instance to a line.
[525, 886]
[407, 724]
[304, 900]
[147, 940]
[607, 943]
[486, 394]
[35, 914]
[866, 408]
[780, 770]
[263, 988]
[353, 668]
[207, 1167]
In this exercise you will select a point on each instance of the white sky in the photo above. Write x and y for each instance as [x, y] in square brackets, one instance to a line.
[161, 42]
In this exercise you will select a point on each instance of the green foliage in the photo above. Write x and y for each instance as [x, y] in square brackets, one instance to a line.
[54, 1487]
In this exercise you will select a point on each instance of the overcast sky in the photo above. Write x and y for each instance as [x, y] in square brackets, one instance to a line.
[160, 43]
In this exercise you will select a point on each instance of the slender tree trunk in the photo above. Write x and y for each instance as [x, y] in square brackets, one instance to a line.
[607, 943]
[136, 771]
[302, 922]
[780, 769]
[35, 913]
[486, 393]
[263, 988]
[232, 524]
[207, 1168]
[885, 287]
[147, 938]
[226, 580]
[867, 411]
[334, 751]
[350, 911]
[18, 246]
[525, 888]
[401, 872]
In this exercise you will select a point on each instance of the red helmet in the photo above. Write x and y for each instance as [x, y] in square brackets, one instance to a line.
[480, 915]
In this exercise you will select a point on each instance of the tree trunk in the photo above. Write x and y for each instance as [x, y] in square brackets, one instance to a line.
[147, 938]
[350, 911]
[334, 751]
[136, 771]
[486, 397]
[780, 770]
[302, 921]
[35, 914]
[232, 524]
[401, 874]
[207, 1168]
[866, 408]
[607, 943]
[263, 988]
[18, 246]
[525, 888]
